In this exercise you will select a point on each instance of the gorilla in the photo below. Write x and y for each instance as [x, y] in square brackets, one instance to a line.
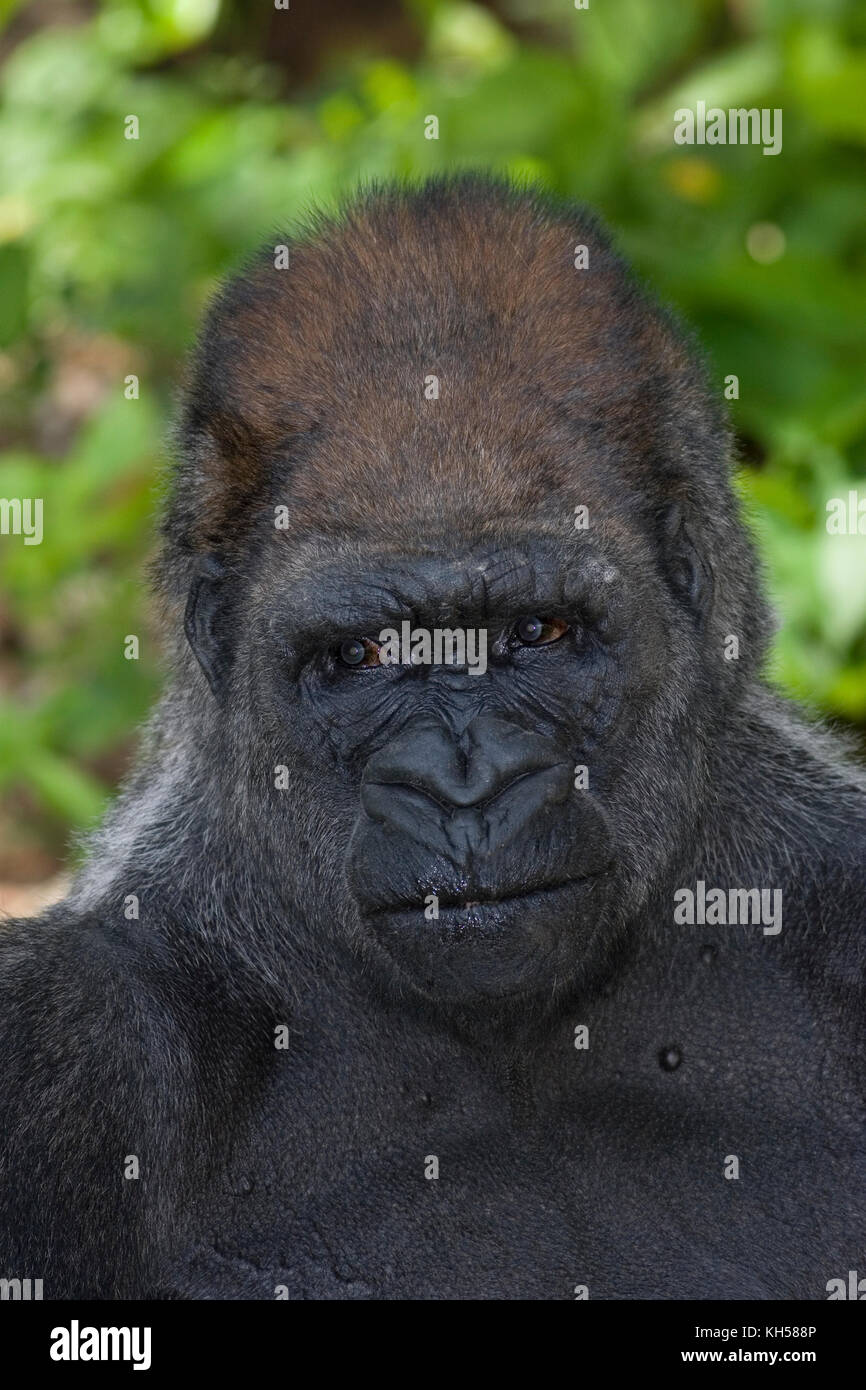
[412, 978]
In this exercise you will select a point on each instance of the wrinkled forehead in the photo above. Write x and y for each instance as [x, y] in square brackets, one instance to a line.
[351, 582]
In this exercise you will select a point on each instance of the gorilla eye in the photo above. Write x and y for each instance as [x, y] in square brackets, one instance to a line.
[539, 632]
[359, 652]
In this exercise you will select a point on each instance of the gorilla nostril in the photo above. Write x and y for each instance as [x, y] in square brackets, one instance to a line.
[465, 795]
[549, 783]
[470, 834]
[380, 798]
[554, 780]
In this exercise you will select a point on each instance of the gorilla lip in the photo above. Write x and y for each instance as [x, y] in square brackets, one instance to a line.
[466, 910]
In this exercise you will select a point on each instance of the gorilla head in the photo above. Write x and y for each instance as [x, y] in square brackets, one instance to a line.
[437, 414]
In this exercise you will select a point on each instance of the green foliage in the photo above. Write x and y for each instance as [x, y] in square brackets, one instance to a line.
[109, 247]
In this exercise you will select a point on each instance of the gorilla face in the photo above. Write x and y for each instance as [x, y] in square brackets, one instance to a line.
[485, 823]
[473, 857]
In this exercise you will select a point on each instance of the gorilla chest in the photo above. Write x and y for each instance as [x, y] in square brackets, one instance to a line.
[628, 1199]
[706, 1144]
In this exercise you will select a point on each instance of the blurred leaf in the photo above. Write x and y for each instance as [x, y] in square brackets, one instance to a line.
[14, 265]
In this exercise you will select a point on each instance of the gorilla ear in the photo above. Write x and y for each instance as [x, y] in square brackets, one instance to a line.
[688, 575]
[204, 622]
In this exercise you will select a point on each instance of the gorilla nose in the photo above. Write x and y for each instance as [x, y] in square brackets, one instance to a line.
[464, 794]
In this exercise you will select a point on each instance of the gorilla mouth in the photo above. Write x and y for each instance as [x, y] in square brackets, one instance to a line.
[494, 942]
[459, 908]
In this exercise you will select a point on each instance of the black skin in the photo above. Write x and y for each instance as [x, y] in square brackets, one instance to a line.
[299, 1171]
